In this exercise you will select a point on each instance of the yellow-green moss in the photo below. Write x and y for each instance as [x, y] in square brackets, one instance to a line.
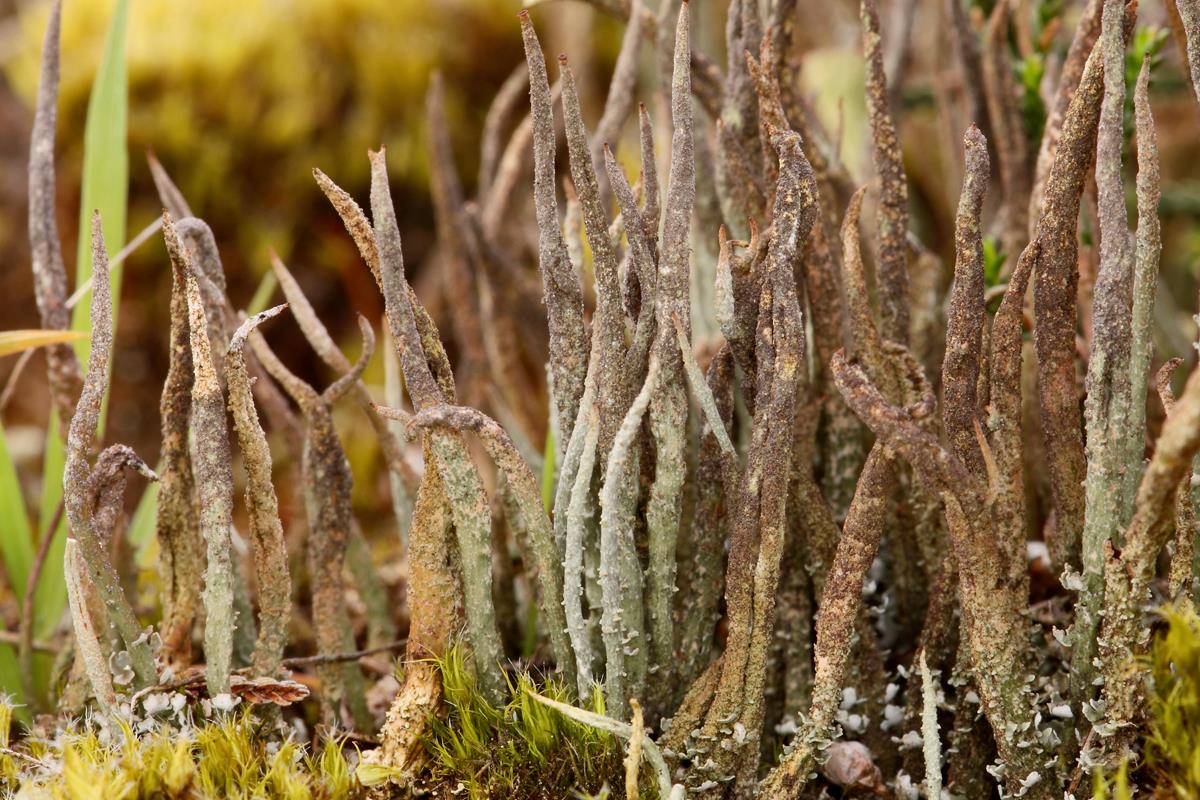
[521, 750]
[228, 759]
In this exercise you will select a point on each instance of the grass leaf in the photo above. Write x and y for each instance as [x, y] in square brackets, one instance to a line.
[16, 341]
[16, 545]
[105, 165]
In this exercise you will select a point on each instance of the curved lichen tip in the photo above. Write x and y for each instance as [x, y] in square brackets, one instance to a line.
[238, 340]
[343, 384]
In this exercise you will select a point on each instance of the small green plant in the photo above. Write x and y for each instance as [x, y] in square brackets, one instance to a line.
[229, 757]
[1173, 743]
[521, 748]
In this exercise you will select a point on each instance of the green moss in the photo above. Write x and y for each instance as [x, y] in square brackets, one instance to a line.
[521, 750]
[1173, 742]
[232, 758]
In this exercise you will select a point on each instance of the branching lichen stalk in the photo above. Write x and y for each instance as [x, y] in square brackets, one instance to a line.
[78, 476]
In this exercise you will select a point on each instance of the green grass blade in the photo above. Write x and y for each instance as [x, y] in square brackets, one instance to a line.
[105, 167]
[51, 595]
[16, 541]
[263, 294]
[142, 527]
[548, 470]
[10, 679]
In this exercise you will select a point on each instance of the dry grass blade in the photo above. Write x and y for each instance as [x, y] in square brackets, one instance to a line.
[77, 475]
[625, 731]
[633, 757]
[49, 273]
[21, 340]
[266, 531]
[893, 199]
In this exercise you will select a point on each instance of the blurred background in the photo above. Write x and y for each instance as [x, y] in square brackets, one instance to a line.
[240, 99]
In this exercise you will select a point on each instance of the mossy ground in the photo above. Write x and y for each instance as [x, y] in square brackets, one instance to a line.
[521, 751]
